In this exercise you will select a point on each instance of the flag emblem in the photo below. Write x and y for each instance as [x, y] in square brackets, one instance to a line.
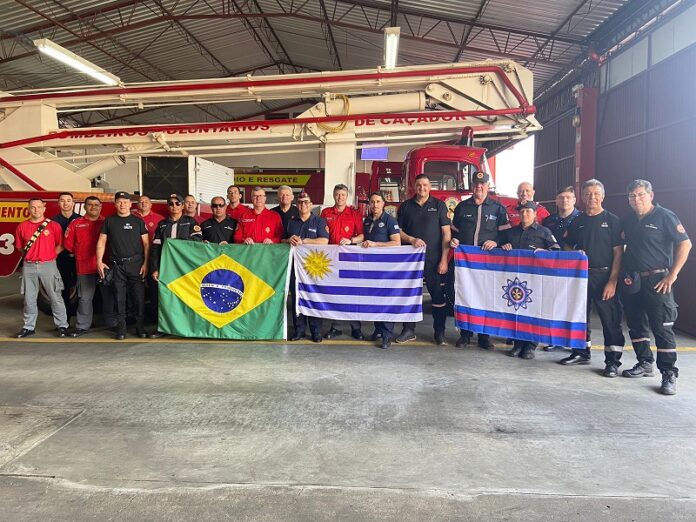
[221, 291]
[517, 294]
[317, 264]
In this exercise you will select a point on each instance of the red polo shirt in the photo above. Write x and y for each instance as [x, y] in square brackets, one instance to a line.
[81, 239]
[514, 214]
[151, 221]
[266, 225]
[44, 248]
[342, 225]
[239, 212]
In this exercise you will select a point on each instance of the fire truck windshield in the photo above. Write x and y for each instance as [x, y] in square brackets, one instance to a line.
[449, 175]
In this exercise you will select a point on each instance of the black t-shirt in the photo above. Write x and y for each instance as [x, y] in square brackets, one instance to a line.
[218, 231]
[558, 225]
[425, 222]
[531, 238]
[124, 235]
[285, 217]
[597, 236]
[477, 224]
[650, 241]
[380, 229]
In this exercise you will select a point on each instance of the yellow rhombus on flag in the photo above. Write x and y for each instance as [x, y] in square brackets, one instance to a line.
[189, 289]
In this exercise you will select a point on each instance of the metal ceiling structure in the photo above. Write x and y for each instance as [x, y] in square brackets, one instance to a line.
[166, 40]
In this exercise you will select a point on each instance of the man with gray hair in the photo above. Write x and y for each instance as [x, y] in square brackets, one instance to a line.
[657, 247]
[597, 232]
[285, 209]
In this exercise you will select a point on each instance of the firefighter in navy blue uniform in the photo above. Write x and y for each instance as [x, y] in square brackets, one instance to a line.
[528, 235]
[424, 222]
[477, 221]
[381, 230]
[657, 247]
[220, 228]
[597, 232]
[66, 260]
[305, 228]
[175, 226]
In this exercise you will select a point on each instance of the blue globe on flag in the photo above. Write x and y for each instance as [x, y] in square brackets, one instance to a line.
[222, 290]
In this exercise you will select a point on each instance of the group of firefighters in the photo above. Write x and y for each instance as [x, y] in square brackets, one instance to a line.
[633, 262]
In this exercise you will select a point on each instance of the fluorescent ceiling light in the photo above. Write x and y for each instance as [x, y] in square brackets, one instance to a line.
[70, 59]
[391, 46]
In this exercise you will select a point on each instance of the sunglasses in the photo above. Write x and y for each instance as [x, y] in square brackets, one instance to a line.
[174, 203]
[217, 205]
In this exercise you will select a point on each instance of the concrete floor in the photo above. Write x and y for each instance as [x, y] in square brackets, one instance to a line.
[172, 430]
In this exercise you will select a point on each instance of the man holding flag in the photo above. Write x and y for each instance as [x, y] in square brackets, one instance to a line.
[528, 235]
[259, 225]
[424, 223]
[478, 221]
[305, 229]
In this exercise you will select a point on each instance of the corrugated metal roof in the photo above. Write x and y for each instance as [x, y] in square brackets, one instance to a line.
[141, 40]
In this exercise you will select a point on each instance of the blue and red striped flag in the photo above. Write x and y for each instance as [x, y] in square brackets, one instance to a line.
[360, 284]
[521, 294]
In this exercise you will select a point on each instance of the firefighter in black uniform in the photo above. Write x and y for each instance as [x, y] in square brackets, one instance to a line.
[657, 247]
[424, 222]
[175, 226]
[477, 221]
[597, 232]
[66, 260]
[220, 228]
[528, 235]
[128, 257]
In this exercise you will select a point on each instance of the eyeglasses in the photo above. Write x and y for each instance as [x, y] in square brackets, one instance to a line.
[174, 203]
[640, 195]
[217, 205]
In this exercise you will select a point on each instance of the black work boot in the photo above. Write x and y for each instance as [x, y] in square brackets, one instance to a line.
[611, 370]
[669, 383]
[576, 358]
[641, 369]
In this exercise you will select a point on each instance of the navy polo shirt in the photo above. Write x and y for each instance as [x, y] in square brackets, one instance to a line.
[531, 238]
[314, 227]
[380, 229]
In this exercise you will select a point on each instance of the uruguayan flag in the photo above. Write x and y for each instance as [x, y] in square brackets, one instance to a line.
[522, 294]
[359, 284]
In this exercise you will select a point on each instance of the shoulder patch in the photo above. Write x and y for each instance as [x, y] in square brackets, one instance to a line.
[681, 229]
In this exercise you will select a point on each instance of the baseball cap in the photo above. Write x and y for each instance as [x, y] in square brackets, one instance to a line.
[527, 204]
[122, 195]
[481, 177]
[178, 197]
[304, 197]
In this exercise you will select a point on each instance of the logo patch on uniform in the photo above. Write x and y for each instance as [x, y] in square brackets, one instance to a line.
[46, 232]
[127, 226]
[346, 228]
[628, 281]
[380, 224]
[196, 228]
[681, 229]
[268, 230]
[604, 225]
[516, 293]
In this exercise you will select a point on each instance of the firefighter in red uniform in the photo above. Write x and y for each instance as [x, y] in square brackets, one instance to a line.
[525, 192]
[146, 213]
[40, 240]
[260, 225]
[236, 210]
[345, 228]
[81, 239]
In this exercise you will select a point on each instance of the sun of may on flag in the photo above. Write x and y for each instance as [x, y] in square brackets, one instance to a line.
[360, 284]
[223, 291]
[521, 294]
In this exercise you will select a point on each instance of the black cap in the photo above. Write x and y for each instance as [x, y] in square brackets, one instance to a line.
[122, 195]
[481, 177]
[527, 204]
[178, 197]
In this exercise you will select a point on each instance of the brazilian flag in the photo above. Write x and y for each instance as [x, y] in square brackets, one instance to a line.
[223, 291]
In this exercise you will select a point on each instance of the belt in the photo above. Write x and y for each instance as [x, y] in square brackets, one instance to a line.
[38, 262]
[126, 259]
[653, 272]
[600, 269]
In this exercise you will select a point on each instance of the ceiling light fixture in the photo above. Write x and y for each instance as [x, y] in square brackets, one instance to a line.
[391, 46]
[70, 59]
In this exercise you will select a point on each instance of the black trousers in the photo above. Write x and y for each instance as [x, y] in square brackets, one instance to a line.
[68, 273]
[435, 283]
[128, 283]
[647, 310]
[609, 316]
[386, 328]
